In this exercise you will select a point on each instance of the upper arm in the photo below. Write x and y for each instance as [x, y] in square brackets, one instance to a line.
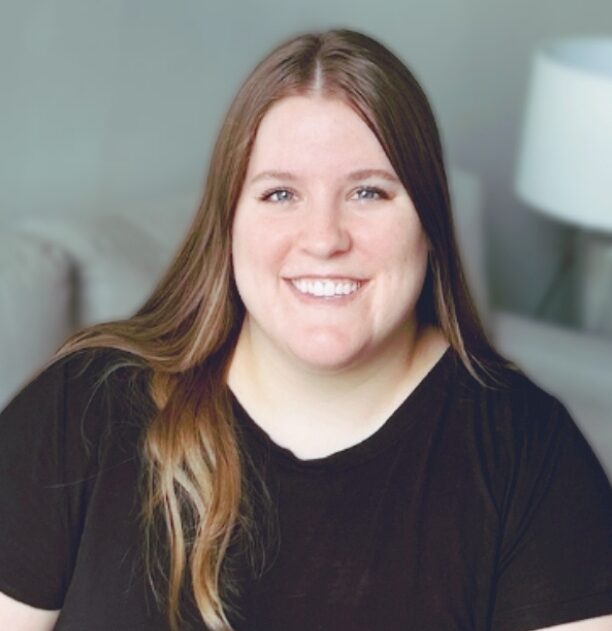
[34, 499]
[602, 623]
[44, 485]
[555, 559]
[18, 616]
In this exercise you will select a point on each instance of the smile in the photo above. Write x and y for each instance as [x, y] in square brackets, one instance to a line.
[325, 287]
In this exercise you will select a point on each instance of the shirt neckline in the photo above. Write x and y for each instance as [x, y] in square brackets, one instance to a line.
[423, 401]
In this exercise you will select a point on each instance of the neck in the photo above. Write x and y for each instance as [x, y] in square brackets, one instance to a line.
[314, 412]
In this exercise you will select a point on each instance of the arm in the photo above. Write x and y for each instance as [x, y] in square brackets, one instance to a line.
[18, 616]
[601, 623]
[41, 455]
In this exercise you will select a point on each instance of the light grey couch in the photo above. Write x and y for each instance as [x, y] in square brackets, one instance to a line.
[60, 273]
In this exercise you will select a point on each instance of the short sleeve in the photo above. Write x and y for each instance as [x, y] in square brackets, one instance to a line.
[555, 558]
[45, 467]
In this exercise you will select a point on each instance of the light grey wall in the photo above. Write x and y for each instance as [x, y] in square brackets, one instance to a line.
[121, 99]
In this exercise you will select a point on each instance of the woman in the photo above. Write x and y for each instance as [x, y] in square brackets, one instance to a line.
[304, 427]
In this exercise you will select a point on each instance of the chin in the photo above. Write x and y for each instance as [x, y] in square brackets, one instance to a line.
[327, 358]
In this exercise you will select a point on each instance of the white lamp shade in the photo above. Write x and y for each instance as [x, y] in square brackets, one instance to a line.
[565, 158]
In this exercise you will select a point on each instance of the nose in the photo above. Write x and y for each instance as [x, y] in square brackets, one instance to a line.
[325, 232]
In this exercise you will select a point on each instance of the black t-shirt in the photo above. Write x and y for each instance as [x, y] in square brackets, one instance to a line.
[471, 508]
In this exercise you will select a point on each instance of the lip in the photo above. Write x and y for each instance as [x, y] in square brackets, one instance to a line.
[334, 277]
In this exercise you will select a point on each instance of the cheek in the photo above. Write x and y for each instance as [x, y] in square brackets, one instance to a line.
[400, 248]
[416, 251]
[415, 264]
[242, 254]
[256, 247]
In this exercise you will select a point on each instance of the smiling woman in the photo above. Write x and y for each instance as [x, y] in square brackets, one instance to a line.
[305, 426]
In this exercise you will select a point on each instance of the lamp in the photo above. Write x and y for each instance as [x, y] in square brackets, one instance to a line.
[565, 158]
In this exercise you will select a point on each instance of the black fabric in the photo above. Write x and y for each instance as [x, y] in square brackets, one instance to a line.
[470, 509]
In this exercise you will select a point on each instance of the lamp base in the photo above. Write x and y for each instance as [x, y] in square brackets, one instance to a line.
[595, 291]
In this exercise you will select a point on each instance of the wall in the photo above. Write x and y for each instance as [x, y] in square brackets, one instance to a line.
[122, 99]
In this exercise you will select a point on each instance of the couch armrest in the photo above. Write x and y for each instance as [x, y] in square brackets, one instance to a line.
[36, 290]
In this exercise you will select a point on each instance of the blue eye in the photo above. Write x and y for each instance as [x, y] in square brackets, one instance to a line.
[370, 192]
[278, 195]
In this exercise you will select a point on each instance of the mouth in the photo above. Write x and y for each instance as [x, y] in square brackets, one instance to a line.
[326, 287]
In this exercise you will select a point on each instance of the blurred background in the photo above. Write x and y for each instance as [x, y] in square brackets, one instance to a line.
[109, 111]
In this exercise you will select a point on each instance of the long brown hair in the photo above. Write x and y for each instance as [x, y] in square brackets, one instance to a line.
[186, 331]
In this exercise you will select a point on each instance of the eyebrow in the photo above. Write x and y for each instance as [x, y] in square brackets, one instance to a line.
[362, 174]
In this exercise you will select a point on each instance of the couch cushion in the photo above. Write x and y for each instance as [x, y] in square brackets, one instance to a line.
[116, 262]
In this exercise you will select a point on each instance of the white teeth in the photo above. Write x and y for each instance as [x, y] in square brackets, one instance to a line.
[326, 288]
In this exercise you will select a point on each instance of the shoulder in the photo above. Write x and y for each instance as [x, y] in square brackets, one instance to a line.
[518, 430]
[81, 375]
[80, 370]
[513, 406]
[76, 401]
[526, 442]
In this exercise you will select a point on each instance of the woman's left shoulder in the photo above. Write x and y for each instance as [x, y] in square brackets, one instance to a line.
[511, 401]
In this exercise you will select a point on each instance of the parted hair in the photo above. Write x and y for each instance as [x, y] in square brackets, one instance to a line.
[195, 501]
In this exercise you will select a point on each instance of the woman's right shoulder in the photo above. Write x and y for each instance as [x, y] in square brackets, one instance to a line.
[74, 395]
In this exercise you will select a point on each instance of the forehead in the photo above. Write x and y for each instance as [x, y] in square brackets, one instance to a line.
[315, 133]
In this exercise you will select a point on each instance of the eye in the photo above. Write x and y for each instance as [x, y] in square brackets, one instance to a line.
[277, 195]
[370, 193]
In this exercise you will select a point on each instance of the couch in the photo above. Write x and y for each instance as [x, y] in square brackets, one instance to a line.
[64, 272]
